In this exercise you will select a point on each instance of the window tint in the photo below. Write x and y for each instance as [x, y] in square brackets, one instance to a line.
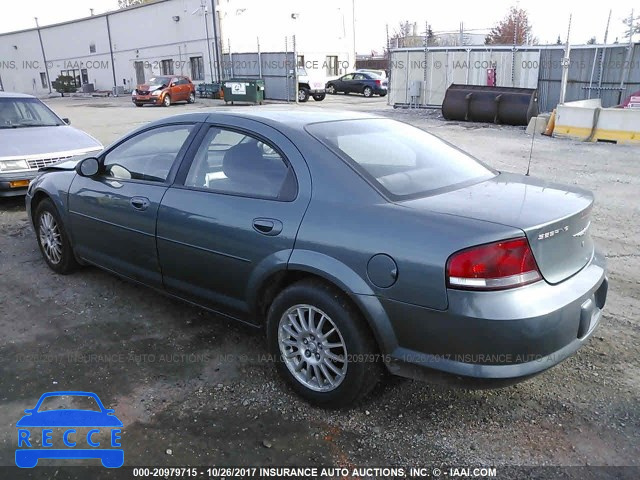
[359, 76]
[147, 156]
[348, 77]
[235, 163]
[402, 160]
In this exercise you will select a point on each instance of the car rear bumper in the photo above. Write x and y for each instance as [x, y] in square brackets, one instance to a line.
[498, 337]
[13, 183]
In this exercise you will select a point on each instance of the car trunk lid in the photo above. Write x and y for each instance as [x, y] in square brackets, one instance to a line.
[555, 218]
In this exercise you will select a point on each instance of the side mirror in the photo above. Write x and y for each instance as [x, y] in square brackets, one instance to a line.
[172, 84]
[67, 121]
[88, 167]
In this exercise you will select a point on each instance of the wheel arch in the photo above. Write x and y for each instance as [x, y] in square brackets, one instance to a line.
[312, 265]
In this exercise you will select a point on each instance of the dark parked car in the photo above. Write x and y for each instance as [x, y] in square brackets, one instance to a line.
[357, 242]
[164, 90]
[368, 84]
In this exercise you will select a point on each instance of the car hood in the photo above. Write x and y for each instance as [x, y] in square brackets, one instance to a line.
[69, 418]
[34, 141]
[148, 88]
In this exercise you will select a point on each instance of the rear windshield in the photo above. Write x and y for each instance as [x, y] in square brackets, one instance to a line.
[401, 160]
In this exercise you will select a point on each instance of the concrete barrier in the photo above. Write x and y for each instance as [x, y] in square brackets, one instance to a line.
[586, 120]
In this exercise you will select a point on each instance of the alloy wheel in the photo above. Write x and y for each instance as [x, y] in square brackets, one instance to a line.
[312, 348]
[50, 238]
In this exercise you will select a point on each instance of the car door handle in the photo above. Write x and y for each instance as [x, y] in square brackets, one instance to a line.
[267, 226]
[139, 203]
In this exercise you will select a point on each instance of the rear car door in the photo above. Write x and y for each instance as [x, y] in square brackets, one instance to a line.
[113, 215]
[232, 215]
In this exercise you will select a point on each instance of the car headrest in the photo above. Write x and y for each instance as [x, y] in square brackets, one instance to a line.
[241, 161]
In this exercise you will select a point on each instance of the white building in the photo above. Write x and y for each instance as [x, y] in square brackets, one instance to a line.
[128, 46]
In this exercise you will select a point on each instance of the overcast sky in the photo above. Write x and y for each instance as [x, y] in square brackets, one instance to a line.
[549, 18]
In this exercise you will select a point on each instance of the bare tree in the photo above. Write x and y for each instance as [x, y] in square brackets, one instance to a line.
[131, 3]
[514, 28]
[633, 26]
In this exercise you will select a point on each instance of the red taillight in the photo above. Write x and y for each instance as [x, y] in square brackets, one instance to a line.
[494, 266]
[378, 82]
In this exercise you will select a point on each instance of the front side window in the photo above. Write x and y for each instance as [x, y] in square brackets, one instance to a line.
[26, 112]
[236, 163]
[401, 160]
[147, 156]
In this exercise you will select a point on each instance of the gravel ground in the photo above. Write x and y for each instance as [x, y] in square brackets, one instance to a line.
[191, 388]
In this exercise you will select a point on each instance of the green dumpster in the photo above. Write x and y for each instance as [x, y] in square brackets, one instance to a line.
[250, 90]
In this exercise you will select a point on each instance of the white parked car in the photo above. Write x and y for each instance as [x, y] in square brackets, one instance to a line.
[33, 136]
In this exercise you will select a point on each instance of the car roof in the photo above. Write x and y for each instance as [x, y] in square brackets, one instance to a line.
[296, 118]
[15, 95]
[278, 118]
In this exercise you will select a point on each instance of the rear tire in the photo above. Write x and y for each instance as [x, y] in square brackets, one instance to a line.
[53, 239]
[192, 98]
[319, 97]
[166, 101]
[330, 361]
[138, 104]
[331, 89]
[367, 92]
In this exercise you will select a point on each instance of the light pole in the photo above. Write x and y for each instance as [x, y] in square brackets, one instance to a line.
[44, 57]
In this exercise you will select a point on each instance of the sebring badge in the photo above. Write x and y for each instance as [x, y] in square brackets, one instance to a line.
[552, 233]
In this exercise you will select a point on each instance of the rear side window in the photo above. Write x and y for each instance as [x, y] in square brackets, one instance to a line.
[401, 160]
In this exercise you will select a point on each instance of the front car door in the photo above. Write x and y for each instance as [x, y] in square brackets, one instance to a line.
[344, 83]
[231, 217]
[113, 215]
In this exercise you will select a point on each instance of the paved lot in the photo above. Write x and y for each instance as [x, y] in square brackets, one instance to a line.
[187, 382]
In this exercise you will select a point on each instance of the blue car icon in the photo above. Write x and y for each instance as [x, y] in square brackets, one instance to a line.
[27, 456]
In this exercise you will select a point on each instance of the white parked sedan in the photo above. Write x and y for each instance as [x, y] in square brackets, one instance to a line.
[33, 136]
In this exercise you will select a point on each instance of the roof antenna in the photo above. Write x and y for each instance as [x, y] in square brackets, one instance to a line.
[533, 134]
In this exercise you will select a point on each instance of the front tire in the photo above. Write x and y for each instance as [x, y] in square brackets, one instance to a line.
[192, 98]
[53, 239]
[322, 346]
[303, 94]
[138, 104]
[166, 101]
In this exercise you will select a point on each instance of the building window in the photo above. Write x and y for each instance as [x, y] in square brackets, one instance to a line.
[75, 77]
[166, 67]
[92, 48]
[85, 76]
[300, 61]
[331, 65]
[43, 80]
[197, 68]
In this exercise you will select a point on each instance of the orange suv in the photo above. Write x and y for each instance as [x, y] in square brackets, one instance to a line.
[164, 90]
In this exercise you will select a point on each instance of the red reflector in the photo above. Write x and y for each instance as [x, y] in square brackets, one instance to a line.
[494, 266]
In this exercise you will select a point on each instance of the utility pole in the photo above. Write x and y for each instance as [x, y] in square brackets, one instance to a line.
[565, 66]
[44, 57]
